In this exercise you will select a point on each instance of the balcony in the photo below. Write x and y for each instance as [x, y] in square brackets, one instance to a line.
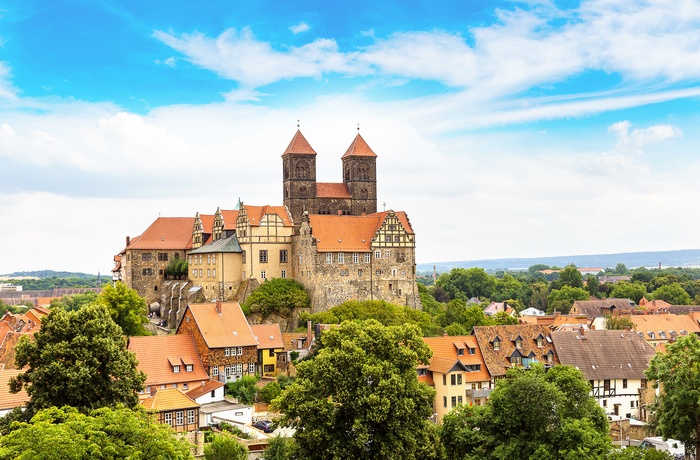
[482, 393]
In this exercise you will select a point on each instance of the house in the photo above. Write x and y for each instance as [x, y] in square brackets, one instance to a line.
[497, 307]
[597, 310]
[172, 407]
[271, 356]
[457, 371]
[215, 268]
[169, 361]
[9, 401]
[208, 392]
[663, 328]
[520, 345]
[614, 362]
[223, 338]
[531, 312]
[15, 326]
[654, 306]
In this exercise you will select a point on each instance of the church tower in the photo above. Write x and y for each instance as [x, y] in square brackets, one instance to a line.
[360, 176]
[299, 177]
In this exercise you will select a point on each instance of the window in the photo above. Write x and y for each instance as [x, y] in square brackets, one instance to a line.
[387, 238]
[243, 256]
[168, 418]
[185, 386]
[239, 368]
[379, 273]
[606, 385]
[283, 256]
[643, 383]
[460, 352]
[227, 352]
[208, 259]
[263, 275]
[163, 256]
[284, 273]
[472, 351]
[146, 257]
[632, 404]
[540, 342]
[368, 256]
[444, 379]
[453, 379]
[454, 401]
[213, 272]
[393, 273]
[190, 416]
[359, 272]
[240, 352]
[624, 383]
[301, 259]
[271, 353]
[459, 379]
[213, 393]
[190, 262]
[213, 259]
[496, 344]
[605, 403]
[329, 258]
[200, 272]
[189, 368]
[227, 370]
[459, 400]
[147, 272]
[176, 369]
[251, 368]
[377, 254]
[355, 258]
[179, 418]
[444, 401]
[200, 259]
[518, 343]
[341, 257]
[387, 253]
[208, 272]
[397, 238]
[215, 371]
[263, 256]
[403, 273]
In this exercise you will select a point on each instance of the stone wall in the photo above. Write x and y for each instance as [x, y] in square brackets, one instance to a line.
[145, 271]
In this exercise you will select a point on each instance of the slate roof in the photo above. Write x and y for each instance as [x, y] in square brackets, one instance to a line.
[299, 145]
[446, 356]
[498, 361]
[359, 148]
[269, 336]
[604, 354]
[335, 233]
[167, 399]
[663, 325]
[156, 352]
[683, 309]
[211, 385]
[166, 233]
[11, 400]
[332, 190]
[227, 329]
[229, 244]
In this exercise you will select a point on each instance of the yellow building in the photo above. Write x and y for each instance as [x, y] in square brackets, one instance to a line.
[271, 355]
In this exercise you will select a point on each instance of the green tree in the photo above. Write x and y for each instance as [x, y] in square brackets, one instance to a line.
[676, 411]
[126, 307]
[537, 268]
[638, 453]
[538, 295]
[502, 318]
[280, 448]
[508, 288]
[270, 392]
[570, 276]
[74, 302]
[77, 359]
[106, 433]
[673, 294]
[592, 285]
[456, 329]
[618, 322]
[359, 397]
[277, 295]
[465, 283]
[243, 389]
[177, 268]
[430, 304]
[225, 448]
[627, 290]
[562, 299]
[534, 415]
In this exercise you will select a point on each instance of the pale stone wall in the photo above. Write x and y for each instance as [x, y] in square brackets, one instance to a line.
[144, 271]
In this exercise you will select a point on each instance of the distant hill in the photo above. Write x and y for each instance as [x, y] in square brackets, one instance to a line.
[42, 274]
[680, 258]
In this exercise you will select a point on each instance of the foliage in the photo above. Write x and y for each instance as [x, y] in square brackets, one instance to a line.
[502, 318]
[465, 283]
[280, 448]
[627, 290]
[105, 433]
[225, 448]
[562, 299]
[638, 453]
[77, 359]
[507, 288]
[126, 307]
[4, 308]
[234, 430]
[570, 276]
[430, 304]
[538, 296]
[176, 267]
[270, 392]
[672, 293]
[532, 414]
[243, 389]
[359, 397]
[676, 410]
[47, 284]
[456, 329]
[277, 295]
[592, 285]
[284, 381]
[74, 302]
[618, 322]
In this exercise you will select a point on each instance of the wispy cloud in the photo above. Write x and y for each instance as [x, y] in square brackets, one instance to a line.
[299, 28]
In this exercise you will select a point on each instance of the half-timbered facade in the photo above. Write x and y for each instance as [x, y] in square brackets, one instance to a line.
[172, 407]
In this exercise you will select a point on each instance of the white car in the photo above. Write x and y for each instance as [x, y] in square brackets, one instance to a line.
[675, 448]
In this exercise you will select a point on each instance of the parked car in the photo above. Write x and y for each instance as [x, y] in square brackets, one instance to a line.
[264, 425]
[675, 448]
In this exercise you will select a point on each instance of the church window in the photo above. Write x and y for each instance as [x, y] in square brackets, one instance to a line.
[355, 257]
[341, 257]
[302, 170]
[263, 256]
[329, 258]
[368, 256]
[377, 254]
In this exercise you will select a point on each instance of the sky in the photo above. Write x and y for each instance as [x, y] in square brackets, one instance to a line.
[502, 128]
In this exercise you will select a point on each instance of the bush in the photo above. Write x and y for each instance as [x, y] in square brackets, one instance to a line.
[225, 448]
[243, 389]
[270, 392]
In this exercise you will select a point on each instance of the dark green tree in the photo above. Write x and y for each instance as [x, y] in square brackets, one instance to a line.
[279, 448]
[627, 290]
[592, 285]
[77, 359]
[673, 294]
[225, 448]
[465, 283]
[106, 433]
[277, 295]
[360, 398]
[243, 389]
[562, 299]
[270, 392]
[676, 411]
[618, 322]
[126, 307]
[570, 276]
[74, 302]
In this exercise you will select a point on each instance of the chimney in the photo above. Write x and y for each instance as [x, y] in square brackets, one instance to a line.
[128, 241]
[340, 212]
[218, 306]
[581, 331]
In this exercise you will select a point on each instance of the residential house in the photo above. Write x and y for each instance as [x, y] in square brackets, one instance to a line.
[457, 371]
[216, 268]
[663, 328]
[265, 237]
[654, 306]
[15, 326]
[10, 401]
[169, 361]
[597, 310]
[614, 362]
[498, 307]
[223, 338]
[531, 311]
[172, 407]
[271, 356]
[521, 345]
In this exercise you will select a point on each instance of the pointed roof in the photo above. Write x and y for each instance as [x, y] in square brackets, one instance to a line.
[359, 148]
[299, 145]
[168, 399]
[166, 233]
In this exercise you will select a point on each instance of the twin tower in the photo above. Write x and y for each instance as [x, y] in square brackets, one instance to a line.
[355, 196]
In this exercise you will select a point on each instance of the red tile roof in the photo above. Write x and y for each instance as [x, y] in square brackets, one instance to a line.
[211, 385]
[9, 400]
[230, 218]
[168, 399]
[166, 233]
[332, 190]
[207, 222]
[268, 335]
[156, 352]
[350, 233]
[228, 329]
[445, 355]
[359, 148]
[257, 213]
[299, 145]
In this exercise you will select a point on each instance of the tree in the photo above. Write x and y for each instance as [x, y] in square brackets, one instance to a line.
[592, 285]
[562, 299]
[618, 322]
[106, 433]
[532, 414]
[673, 294]
[676, 411]
[508, 288]
[463, 283]
[627, 290]
[74, 302]
[270, 392]
[502, 318]
[360, 398]
[77, 359]
[280, 448]
[126, 307]
[225, 448]
[278, 295]
[243, 389]
[570, 276]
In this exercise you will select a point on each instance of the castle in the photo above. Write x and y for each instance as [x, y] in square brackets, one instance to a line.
[327, 236]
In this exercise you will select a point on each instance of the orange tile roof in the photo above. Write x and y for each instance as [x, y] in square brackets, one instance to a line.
[299, 145]
[207, 223]
[359, 148]
[230, 218]
[427, 379]
[664, 323]
[350, 233]
[9, 400]
[268, 335]
[256, 213]
[211, 385]
[445, 355]
[168, 399]
[8, 340]
[153, 353]
[291, 340]
[228, 329]
[166, 233]
[332, 190]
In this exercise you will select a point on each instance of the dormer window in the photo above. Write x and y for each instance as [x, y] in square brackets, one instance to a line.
[518, 343]
[189, 368]
[176, 369]
[651, 334]
[472, 351]
[496, 344]
[460, 352]
[540, 342]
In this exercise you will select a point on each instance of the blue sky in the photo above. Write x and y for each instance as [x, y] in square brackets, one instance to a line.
[503, 128]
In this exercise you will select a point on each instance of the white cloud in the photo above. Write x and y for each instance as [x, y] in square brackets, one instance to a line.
[634, 141]
[299, 28]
